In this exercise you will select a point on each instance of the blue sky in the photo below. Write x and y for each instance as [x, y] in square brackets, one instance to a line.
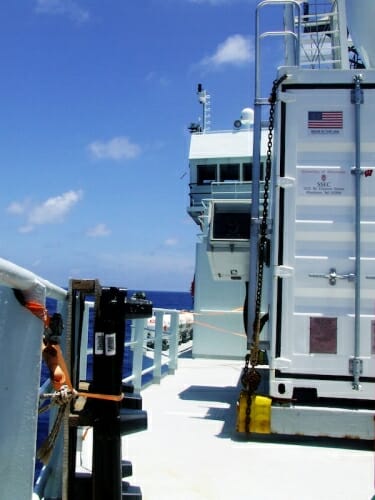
[96, 98]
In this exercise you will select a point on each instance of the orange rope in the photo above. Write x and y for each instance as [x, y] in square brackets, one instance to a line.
[39, 310]
[219, 329]
[106, 397]
[55, 361]
[53, 356]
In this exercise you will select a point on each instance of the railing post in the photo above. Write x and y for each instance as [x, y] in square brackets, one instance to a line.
[84, 340]
[159, 316]
[139, 327]
[173, 341]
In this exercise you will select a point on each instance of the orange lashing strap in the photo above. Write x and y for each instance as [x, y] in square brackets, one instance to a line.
[55, 361]
[38, 310]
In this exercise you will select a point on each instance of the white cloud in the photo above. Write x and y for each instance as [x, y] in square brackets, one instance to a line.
[170, 242]
[69, 8]
[221, 2]
[158, 270]
[28, 228]
[98, 231]
[51, 211]
[236, 50]
[154, 77]
[16, 208]
[211, 2]
[54, 209]
[118, 148]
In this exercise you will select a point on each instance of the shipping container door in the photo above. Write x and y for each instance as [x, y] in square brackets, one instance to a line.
[315, 326]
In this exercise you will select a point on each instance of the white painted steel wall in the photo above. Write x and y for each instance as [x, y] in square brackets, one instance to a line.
[20, 361]
[20, 351]
[218, 317]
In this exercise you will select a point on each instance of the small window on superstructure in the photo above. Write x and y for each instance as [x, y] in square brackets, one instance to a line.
[229, 172]
[206, 174]
[247, 172]
[231, 223]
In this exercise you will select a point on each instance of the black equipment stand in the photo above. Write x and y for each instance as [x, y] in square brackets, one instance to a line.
[110, 419]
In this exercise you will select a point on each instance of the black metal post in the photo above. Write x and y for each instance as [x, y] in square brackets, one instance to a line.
[109, 332]
[110, 420]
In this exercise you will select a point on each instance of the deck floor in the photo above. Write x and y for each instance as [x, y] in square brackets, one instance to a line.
[191, 451]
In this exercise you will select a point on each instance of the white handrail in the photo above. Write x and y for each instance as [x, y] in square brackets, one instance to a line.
[14, 276]
[160, 359]
[137, 343]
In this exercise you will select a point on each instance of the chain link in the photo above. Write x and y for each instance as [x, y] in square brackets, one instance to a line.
[250, 376]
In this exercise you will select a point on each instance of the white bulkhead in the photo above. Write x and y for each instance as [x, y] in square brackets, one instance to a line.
[220, 199]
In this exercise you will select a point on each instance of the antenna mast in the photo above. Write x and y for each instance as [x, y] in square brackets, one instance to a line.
[205, 100]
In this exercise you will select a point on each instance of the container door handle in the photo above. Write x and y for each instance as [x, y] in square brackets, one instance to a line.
[333, 276]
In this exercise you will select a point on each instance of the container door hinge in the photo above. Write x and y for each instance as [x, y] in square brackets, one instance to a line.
[287, 97]
[356, 369]
[356, 365]
[286, 182]
[284, 271]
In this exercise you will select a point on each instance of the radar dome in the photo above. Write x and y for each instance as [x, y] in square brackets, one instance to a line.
[247, 116]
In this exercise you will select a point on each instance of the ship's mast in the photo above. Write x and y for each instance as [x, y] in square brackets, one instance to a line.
[205, 100]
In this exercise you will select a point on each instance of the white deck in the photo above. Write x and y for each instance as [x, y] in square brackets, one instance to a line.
[191, 450]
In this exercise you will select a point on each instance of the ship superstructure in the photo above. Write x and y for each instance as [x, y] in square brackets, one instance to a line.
[220, 199]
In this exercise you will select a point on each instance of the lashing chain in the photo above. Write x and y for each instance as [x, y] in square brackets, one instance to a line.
[250, 377]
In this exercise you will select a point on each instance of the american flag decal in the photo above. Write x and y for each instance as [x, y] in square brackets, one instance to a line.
[324, 119]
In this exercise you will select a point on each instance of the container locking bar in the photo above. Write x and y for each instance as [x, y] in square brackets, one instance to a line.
[332, 276]
[357, 99]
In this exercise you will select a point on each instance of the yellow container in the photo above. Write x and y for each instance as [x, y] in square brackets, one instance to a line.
[260, 414]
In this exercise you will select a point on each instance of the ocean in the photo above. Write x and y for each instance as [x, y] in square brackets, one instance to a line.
[161, 299]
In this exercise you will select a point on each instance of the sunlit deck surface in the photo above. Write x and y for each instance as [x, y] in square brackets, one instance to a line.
[191, 450]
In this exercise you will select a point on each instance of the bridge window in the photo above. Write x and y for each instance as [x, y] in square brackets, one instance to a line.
[206, 174]
[247, 172]
[229, 172]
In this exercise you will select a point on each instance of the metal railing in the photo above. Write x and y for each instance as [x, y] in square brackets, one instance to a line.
[154, 362]
[21, 337]
[147, 365]
[159, 360]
